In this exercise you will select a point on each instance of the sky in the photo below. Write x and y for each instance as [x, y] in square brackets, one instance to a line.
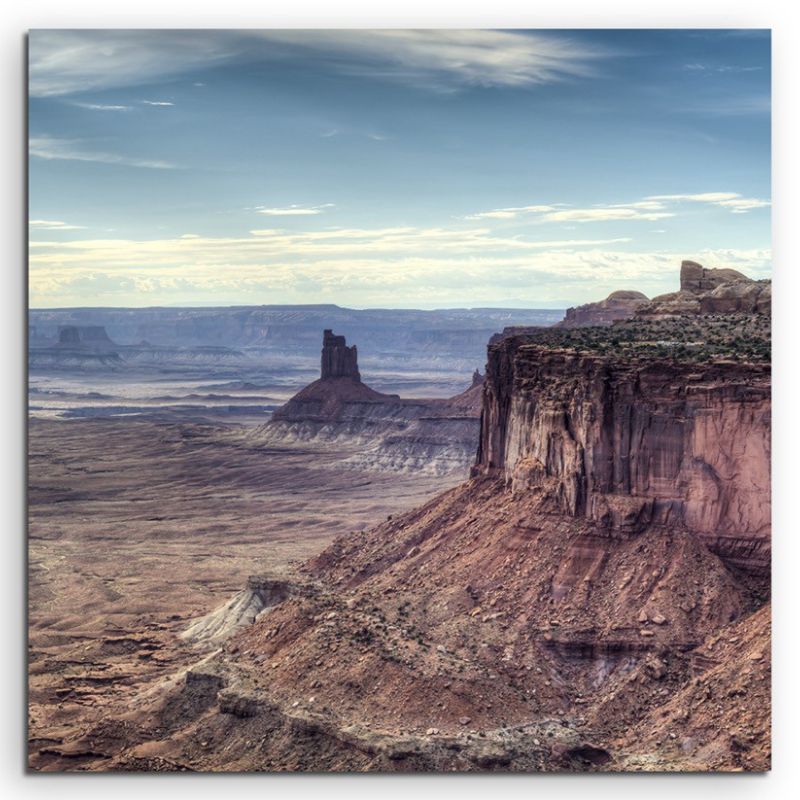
[392, 168]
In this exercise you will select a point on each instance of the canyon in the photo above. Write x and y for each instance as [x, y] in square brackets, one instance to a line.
[593, 596]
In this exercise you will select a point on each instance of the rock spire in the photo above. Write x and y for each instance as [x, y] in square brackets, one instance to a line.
[338, 360]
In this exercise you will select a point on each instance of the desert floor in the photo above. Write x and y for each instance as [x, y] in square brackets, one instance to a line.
[137, 526]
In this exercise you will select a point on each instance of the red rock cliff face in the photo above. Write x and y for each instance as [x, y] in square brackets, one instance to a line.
[632, 444]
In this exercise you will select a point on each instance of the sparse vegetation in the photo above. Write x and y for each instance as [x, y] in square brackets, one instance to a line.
[696, 339]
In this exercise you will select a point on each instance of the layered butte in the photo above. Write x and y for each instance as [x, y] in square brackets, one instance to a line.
[385, 432]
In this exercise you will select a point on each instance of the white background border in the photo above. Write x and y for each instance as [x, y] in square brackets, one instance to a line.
[408, 13]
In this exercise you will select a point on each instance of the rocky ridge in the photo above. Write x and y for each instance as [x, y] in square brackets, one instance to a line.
[702, 291]
[711, 291]
[618, 305]
[445, 340]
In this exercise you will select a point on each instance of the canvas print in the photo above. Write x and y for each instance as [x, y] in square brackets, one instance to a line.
[399, 401]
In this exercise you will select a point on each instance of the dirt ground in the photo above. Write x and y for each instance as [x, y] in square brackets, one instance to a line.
[136, 526]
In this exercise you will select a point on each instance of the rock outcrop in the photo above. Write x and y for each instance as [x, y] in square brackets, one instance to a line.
[261, 593]
[338, 360]
[695, 278]
[384, 431]
[711, 291]
[631, 443]
[618, 305]
[338, 394]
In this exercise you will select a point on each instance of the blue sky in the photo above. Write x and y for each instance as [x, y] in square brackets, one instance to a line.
[393, 168]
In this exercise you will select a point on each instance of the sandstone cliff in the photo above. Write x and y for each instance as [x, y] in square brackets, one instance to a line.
[633, 443]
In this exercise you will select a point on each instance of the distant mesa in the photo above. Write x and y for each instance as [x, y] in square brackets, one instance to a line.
[421, 340]
[90, 335]
[76, 346]
[90, 346]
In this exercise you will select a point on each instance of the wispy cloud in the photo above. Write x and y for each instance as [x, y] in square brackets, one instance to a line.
[53, 225]
[67, 61]
[276, 245]
[294, 210]
[730, 200]
[720, 68]
[53, 149]
[367, 266]
[448, 59]
[652, 208]
[101, 107]
[605, 214]
[157, 103]
[513, 212]
[734, 105]
[559, 212]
